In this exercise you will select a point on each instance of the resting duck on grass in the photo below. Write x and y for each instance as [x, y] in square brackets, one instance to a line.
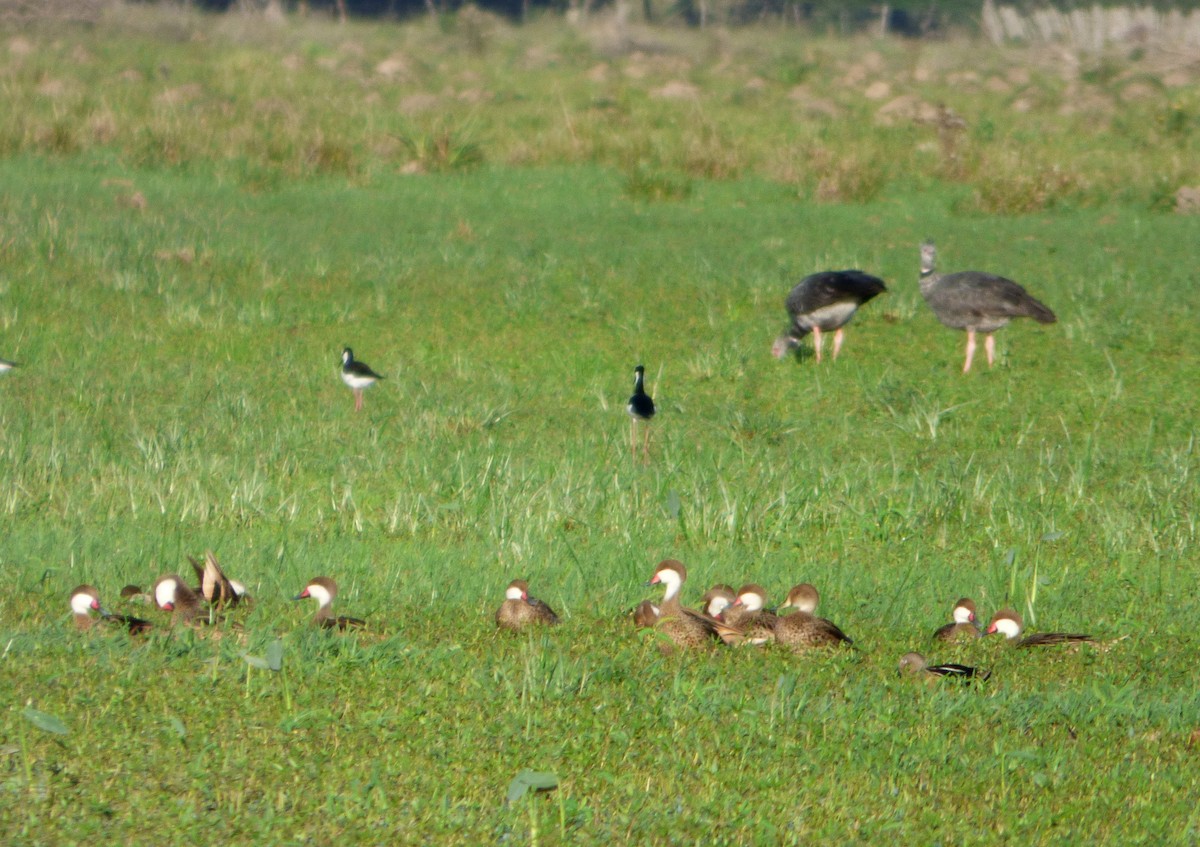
[85, 599]
[323, 590]
[686, 628]
[914, 664]
[962, 627]
[757, 625]
[645, 616]
[172, 595]
[519, 610]
[717, 599]
[1008, 623]
[216, 588]
[803, 630]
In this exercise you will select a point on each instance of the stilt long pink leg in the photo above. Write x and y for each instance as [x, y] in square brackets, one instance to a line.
[970, 349]
[837, 343]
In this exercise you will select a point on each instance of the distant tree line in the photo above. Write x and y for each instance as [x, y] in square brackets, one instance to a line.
[906, 17]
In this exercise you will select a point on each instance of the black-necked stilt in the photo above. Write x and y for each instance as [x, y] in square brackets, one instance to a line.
[358, 375]
[822, 302]
[976, 302]
[641, 410]
[6, 366]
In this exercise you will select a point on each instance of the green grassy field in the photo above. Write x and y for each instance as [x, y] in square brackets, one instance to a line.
[179, 320]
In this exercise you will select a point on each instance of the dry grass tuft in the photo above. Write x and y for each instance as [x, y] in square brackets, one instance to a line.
[1187, 200]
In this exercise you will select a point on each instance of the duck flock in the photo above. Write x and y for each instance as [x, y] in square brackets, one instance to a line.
[972, 301]
[214, 596]
[725, 617]
[741, 617]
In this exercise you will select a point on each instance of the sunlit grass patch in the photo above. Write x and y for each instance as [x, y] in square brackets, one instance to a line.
[178, 283]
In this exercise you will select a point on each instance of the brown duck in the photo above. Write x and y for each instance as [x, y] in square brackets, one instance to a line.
[803, 598]
[685, 628]
[86, 598]
[134, 594]
[645, 616]
[914, 664]
[963, 626]
[171, 595]
[802, 629]
[323, 590]
[717, 599]
[1008, 623]
[216, 588]
[757, 625]
[519, 610]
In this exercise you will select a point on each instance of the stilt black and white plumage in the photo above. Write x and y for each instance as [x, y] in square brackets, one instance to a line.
[6, 366]
[976, 302]
[825, 302]
[641, 410]
[358, 375]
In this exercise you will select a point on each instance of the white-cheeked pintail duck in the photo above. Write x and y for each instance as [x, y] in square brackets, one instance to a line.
[323, 590]
[519, 610]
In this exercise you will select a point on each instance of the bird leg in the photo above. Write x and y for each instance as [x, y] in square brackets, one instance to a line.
[633, 437]
[358, 399]
[816, 332]
[646, 443]
[837, 343]
[970, 349]
[989, 345]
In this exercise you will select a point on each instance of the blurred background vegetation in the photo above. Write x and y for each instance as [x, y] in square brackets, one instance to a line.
[913, 18]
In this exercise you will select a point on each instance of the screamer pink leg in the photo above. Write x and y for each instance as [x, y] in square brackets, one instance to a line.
[970, 349]
[837, 343]
[817, 341]
[989, 345]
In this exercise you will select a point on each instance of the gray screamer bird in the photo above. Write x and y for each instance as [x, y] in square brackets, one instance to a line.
[976, 302]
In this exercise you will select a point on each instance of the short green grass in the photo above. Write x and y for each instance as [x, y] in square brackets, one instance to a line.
[180, 327]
